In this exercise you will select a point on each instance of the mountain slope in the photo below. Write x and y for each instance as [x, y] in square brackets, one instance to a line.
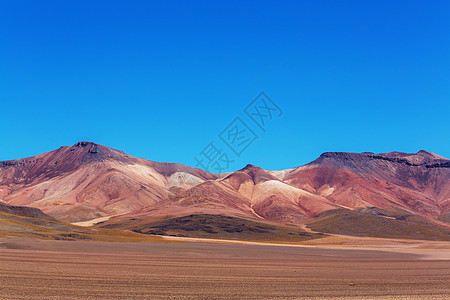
[88, 181]
[19, 221]
[419, 182]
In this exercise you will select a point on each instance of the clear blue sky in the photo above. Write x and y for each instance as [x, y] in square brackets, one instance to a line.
[160, 80]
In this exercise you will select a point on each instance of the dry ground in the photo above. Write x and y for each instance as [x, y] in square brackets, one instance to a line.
[46, 269]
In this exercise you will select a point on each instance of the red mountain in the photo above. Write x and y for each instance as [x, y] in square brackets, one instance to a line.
[419, 183]
[88, 181]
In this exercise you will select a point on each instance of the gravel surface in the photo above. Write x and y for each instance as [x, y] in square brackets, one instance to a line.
[37, 269]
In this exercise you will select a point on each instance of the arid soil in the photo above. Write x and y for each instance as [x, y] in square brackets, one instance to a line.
[46, 269]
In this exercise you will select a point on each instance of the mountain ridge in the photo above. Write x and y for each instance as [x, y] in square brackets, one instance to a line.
[87, 181]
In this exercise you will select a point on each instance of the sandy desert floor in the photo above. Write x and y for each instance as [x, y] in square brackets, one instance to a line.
[44, 269]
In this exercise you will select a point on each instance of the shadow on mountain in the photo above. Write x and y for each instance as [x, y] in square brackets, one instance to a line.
[212, 226]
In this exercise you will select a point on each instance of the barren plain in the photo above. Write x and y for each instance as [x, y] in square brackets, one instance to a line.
[329, 268]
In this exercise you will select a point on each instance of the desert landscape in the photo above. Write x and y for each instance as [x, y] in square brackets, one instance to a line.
[90, 222]
[225, 149]
[338, 268]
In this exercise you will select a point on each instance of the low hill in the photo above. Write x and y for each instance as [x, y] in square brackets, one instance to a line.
[18, 221]
[213, 226]
[374, 222]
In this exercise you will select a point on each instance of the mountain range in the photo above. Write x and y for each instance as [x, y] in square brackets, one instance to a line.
[88, 184]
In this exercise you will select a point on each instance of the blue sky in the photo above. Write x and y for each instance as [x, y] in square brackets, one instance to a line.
[161, 80]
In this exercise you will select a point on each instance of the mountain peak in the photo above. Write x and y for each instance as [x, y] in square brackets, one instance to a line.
[256, 173]
[90, 147]
[63, 160]
[249, 167]
[421, 158]
[429, 154]
[85, 144]
[85, 151]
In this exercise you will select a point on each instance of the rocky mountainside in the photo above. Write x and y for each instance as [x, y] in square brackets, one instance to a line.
[88, 181]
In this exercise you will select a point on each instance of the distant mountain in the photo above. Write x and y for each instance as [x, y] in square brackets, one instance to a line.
[88, 181]
[419, 183]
